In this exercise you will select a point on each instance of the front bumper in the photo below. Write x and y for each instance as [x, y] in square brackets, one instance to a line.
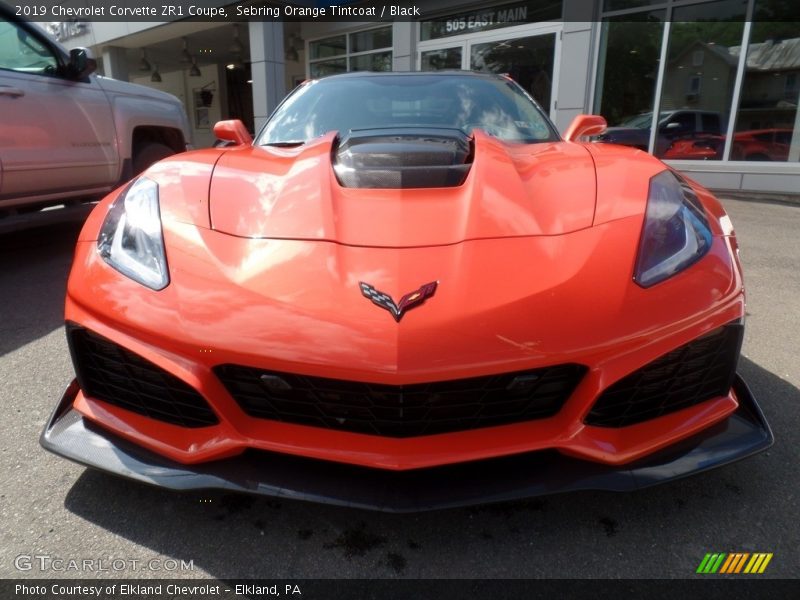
[743, 434]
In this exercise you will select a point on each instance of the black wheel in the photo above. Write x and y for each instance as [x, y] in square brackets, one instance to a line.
[146, 154]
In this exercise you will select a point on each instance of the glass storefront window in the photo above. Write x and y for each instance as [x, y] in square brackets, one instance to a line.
[333, 46]
[528, 60]
[699, 79]
[374, 39]
[328, 67]
[627, 75]
[376, 61]
[446, 58]
[704, 59]
[767, 122]
[369, 50]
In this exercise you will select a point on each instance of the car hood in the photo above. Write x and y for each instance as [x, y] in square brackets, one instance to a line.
[511, 190]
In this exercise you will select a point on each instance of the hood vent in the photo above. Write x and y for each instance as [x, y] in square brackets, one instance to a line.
[403, 158]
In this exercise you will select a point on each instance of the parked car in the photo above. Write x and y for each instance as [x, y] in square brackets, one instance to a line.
[762, 144]
[672, 125]
[66, 132]
[408, 293]
[756, 144]
[701, 147]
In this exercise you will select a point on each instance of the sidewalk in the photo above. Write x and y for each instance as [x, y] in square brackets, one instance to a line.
[772, 198]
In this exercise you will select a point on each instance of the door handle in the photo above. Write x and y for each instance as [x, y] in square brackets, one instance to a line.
[6, 90]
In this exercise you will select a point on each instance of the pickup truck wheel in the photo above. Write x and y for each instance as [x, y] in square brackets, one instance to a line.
[146, 154]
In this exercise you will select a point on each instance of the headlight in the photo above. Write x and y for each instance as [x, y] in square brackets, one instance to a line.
[675, 233]
[131, 240]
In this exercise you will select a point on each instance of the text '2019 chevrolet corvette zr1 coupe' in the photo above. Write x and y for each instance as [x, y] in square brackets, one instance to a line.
[409, 292]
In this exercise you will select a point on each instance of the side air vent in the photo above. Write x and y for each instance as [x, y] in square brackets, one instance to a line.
[113, 374]
[698, 371]
[403, 158]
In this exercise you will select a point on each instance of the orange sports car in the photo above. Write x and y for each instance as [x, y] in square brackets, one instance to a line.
[408, 292]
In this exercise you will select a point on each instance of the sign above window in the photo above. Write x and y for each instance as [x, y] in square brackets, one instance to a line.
[64, 30]
[494, 17]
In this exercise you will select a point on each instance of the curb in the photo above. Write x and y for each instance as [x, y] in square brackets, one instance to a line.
[785, 199]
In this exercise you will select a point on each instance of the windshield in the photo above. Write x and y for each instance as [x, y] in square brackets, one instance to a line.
[495, 105]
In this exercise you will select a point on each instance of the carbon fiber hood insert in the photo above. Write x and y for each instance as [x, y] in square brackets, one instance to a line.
[403, 158]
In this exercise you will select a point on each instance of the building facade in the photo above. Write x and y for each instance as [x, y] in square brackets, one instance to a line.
[711, 86]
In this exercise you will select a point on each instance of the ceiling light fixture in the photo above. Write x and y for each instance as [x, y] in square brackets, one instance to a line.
[295, 45]
[185, 56]
[144, 64]
[236, 47]
[235, 64]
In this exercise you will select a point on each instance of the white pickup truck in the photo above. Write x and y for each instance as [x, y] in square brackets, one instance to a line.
[66, 133]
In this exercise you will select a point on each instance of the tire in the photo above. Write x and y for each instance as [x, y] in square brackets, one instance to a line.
[148, 153]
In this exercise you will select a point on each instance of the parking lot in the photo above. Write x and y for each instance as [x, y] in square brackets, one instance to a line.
[60, 510]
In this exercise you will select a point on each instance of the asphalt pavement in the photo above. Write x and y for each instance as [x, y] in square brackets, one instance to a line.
[54, 509]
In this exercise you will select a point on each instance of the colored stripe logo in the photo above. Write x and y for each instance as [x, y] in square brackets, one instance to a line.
[734, 563]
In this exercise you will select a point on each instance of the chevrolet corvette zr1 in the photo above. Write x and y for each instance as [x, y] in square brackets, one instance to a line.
[408, 292]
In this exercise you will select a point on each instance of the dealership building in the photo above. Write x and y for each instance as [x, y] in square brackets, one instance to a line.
[710, 86]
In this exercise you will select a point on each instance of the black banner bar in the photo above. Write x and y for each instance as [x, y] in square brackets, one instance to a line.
[443, 20]
[706, 587]
[219, 11]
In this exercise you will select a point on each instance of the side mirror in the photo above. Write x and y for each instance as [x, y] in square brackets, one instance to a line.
[671, 126]
[81, 63]
[233, 131]
[585, 125]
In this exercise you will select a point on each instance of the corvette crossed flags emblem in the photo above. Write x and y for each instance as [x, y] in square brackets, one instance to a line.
[407, 302]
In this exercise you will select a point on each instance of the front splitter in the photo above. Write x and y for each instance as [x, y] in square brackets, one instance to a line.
[743, 434]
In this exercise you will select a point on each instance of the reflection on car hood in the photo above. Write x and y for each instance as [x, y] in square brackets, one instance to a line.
[511, 190]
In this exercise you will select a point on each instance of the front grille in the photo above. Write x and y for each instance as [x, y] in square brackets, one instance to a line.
[700, 370]
[401, 410]
[115, 375]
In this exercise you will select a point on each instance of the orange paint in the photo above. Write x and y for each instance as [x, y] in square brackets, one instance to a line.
[533, 255]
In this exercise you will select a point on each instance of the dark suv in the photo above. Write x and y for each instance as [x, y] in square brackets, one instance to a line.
[672, 125]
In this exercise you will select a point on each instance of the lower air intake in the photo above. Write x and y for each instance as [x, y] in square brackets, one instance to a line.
[701, 370]
[401, 410]
[113, 374]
